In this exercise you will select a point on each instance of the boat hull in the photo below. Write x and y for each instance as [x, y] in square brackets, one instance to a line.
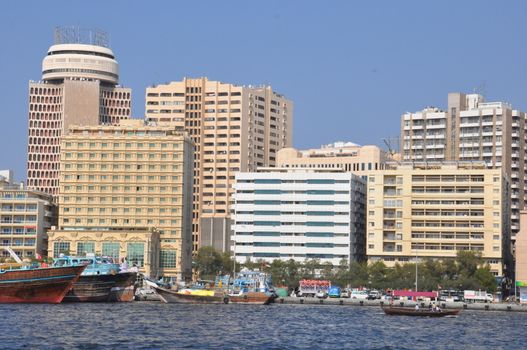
[169, 296]
[42, 285]
[102, 288]
[124, 288]
[254, 298]
[405, 311]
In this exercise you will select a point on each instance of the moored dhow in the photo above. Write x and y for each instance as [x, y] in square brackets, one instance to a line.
[29, 284]
[102, 281]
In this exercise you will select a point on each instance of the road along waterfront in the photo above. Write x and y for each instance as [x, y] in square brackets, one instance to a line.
[377, 303]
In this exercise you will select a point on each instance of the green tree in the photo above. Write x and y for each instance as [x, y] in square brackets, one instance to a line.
[209, 263]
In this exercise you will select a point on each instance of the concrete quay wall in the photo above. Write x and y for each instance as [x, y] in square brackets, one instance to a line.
[442, 304]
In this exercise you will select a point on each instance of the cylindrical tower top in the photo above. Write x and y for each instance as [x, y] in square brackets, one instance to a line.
[80, 54]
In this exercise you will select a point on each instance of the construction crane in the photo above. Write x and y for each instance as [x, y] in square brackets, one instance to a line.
[392, 144]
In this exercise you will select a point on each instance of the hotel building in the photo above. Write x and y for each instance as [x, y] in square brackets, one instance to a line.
[235, 128]
[25, 215]
[349, 157]
[299, 214]
[78, 87]
[471, 130]
[435, 210]
[120, 188]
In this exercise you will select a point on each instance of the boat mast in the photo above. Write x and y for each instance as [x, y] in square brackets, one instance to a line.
[416, 271]
[13, 254]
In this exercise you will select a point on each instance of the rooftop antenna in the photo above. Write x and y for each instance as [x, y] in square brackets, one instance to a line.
[392, 144]
[481, 89]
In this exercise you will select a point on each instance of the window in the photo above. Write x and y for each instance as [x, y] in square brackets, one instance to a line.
[60, 248]
[85, 247]
[136, 254]
[111, 249]
[167, 259]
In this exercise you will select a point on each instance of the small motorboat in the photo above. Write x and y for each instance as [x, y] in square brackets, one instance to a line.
[409, 311]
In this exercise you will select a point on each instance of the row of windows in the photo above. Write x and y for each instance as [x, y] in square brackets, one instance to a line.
[114, 209]
[97, 145]
[191, 90]
[278, 244]
[125, 188]
[279, 181]
[294, 234]
[309, 202]
[111, 177]
[309, 213]
[315, 192]
[149, 155]
[90, 221]
[279, 255]
[278, 223]
[101, 199]
[93, 166]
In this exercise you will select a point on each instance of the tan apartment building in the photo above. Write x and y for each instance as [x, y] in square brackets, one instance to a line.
[25, 216]
[79, 86]
[127, 185]
[347, 156]
[234, 128]
[521, 259]
[435, 210]
[471, 130]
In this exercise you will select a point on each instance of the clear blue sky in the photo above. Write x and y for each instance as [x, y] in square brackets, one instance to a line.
[351, 67]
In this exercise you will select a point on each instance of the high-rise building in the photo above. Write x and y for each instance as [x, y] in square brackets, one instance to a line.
[349, 157]
[471, 130]
[121, 183]
[25, 216]
[235, 128]
[427, 210]
[299, 214]
[521, 259]
[78, 87]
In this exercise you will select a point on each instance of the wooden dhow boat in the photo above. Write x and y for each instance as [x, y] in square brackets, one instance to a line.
[33, 284]
[409, 311]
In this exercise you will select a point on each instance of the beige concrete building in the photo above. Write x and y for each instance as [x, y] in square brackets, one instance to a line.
[78, 87]
[235, 128]
[349, 157]
[471, 130]
[435, 210]
[25, 215]
[521, 258]
[140, 246]
[128, 181]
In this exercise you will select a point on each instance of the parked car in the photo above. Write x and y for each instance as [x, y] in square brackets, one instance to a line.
[345, 293]
[374, 294]
[321, 294]
[334, 292]
[359, 294]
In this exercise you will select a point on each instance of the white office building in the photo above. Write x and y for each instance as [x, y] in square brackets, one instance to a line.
[299, 214]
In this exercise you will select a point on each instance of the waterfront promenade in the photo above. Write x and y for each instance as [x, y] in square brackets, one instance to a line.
[407, 303]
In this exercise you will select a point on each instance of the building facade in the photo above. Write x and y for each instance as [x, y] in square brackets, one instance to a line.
[471, 130]
[521, 259]
[299, 214]
[234, 128]
[348, 157]
[128, 179]
[435, 210]
[78, 87]
[26, 215]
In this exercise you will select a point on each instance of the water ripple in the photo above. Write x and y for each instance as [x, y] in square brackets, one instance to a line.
[172, 326]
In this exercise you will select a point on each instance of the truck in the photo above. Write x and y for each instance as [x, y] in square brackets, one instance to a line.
[475, 296]
[310, 288]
